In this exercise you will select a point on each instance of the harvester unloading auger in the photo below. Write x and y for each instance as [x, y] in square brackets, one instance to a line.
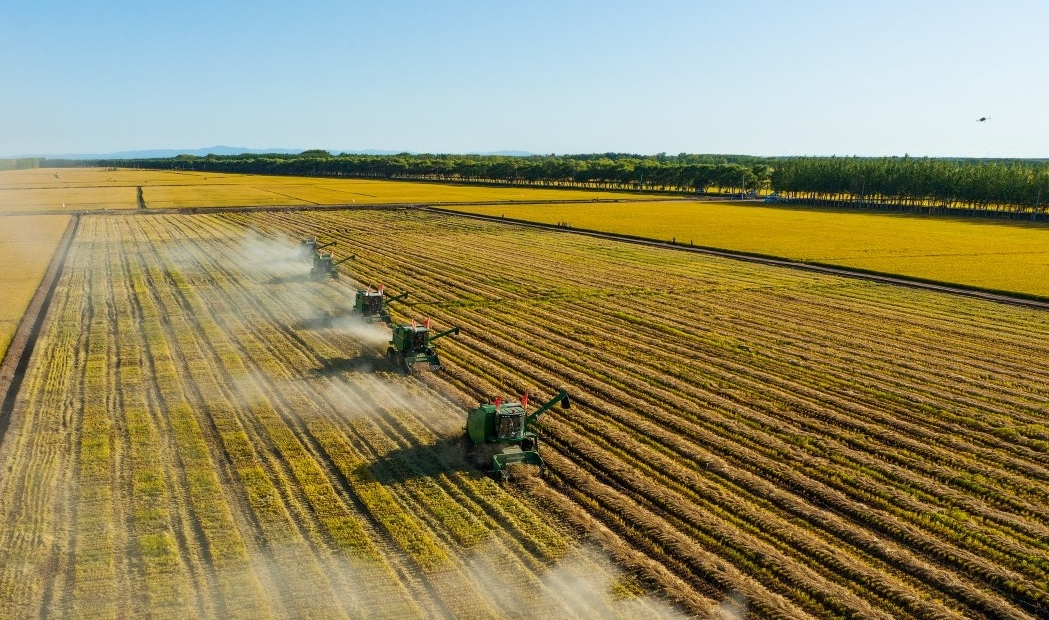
[324, 265]
[501, 434]
[308, 248]
[371, 305]
[411, 344]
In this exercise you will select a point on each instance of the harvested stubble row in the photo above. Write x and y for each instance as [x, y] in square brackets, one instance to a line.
[850, 435]
[189, 442]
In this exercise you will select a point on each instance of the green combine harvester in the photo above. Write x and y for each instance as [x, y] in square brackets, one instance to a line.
[324, 265]
[411, 344]
[500, 434]
[371, 305]
[308, 248]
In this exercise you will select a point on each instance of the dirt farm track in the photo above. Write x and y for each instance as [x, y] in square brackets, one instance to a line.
[194, 431]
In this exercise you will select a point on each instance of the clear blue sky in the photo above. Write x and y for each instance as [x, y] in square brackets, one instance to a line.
[776, 77]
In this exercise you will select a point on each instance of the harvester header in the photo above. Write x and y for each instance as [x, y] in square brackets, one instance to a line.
[324, 264]
[371, 305]
[411, 344]
[500, 432]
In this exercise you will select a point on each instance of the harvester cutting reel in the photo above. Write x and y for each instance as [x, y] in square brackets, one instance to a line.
[500, 434]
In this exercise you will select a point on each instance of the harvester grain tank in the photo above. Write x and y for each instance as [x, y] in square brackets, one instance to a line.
[371, 305]
[500, 433]
[308, 248]
[411, 344]
[325, 265]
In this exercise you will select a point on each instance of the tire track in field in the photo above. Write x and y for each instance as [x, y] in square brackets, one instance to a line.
[769, 260]
[188, 393]
[265, 529]
[35, 485]
[136, 358]
[220, 265]
[277, 350]
[88, 479]
[386, 417]
[121, 469]
[16, 360]
[59, 566]
[185, 524]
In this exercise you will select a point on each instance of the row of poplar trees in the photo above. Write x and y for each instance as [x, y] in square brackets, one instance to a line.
[926, 184]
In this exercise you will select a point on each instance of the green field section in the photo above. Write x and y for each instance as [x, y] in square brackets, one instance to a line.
[27, 244]
[993, 255]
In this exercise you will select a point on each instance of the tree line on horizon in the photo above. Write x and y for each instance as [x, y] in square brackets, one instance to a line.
[926, 184]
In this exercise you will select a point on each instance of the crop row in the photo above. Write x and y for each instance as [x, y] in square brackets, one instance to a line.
[193, 438]
[844, 422]
[194, 443]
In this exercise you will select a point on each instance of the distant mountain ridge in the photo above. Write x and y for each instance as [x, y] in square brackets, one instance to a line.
[235, 150]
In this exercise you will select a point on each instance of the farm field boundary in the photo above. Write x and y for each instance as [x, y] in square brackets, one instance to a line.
[231, 455]
[16, 358]
[96, 189]
[147, 210]
[188, 442]
[887, 278]
[27, 243]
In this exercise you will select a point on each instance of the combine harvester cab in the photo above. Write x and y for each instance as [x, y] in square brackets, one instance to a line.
[501, 435]
[411, 344]
[325, 265]
[371, 305]
[308, 248]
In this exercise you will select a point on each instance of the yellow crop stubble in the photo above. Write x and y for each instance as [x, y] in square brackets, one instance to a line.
[67, 199]
[102, 188]
[993, 255]
[27, 244]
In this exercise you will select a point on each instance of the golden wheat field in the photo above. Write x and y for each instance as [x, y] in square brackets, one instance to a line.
[196, 437]
[27, 244]
[992, 255]
[89, 189]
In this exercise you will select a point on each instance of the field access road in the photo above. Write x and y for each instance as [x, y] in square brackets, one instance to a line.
[1000, 297]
